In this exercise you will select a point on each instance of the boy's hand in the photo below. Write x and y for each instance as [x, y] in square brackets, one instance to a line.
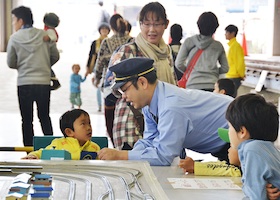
[29, 157]
[187, 165]
[272, 192]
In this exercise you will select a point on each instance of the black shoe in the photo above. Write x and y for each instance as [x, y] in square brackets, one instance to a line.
[55, 83]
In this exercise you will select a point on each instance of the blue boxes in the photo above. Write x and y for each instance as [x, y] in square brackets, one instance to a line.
[50, 154]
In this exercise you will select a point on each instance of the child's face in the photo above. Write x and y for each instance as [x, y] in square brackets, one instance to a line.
[217, 89]
[82, 129]
[76, 69]
[104, 32]
[233, 156]
[235, 138]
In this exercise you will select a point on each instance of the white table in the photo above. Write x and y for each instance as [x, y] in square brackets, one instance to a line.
[154, 179]
[162, 173]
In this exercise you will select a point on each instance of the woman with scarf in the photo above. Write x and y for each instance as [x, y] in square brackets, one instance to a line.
[149, 43]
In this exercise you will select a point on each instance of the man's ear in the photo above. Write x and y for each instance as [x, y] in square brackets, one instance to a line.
[244, 133]
[68, 132]
[143, 82]
[20, 21]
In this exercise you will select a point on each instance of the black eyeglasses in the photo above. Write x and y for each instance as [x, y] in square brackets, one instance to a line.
[148, 25]
[119, 92]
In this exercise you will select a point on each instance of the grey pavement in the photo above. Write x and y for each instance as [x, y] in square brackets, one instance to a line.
[10, 120]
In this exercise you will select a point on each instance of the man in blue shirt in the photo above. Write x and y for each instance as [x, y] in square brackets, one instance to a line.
[175, 118]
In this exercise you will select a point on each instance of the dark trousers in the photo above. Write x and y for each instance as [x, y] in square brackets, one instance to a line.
[222, 155]
[27, 95]
[110, 102]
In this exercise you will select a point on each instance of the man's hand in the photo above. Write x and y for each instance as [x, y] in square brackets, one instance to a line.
[187, 165]
[29, 157]
[112, 154]
[272, 192]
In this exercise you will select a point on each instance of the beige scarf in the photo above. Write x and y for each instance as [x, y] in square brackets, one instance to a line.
[161, 55]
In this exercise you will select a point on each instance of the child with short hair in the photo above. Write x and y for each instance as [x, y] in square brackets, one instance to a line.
[51, 21]
[253, 127]
[75, 86]
[76, 128]
[225, 86]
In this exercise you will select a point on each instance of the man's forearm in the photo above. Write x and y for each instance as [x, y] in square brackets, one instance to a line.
[122, 155]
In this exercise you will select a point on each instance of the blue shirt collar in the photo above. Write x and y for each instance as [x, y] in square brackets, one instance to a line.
[153, 108]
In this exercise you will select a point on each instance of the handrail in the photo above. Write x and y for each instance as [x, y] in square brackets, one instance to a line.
[27, 149]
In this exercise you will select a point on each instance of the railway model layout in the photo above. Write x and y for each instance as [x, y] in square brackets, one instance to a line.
[88, 179]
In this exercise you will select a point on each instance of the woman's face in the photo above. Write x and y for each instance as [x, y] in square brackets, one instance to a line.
[152, 28]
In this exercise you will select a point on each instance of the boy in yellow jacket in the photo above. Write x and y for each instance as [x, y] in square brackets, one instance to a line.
[76, 128]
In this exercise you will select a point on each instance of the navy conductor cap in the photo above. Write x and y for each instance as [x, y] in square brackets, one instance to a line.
[130, 69]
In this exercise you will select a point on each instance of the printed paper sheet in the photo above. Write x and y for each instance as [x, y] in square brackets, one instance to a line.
[201, 183]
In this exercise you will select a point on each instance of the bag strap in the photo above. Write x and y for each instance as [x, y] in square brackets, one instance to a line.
[192, 62]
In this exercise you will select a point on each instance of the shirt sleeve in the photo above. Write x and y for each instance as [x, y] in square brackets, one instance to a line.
[91, 53]
[102, 60]
[163, 142]
[52, 35]
[11, 55]
[239, 60]
[180, 62]
[216, 169]
[223, 61]
[255, 170]
[38, 153]
[54, 54]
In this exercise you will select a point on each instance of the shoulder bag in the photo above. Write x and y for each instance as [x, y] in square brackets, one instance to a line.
[183, 81]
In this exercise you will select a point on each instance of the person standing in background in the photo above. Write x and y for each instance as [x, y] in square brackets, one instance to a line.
[176, 34]
[32, 58]
[150, 44]
[108, 46]
[206, 71]
[75, 86]
[104, 30]
[235, 57]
